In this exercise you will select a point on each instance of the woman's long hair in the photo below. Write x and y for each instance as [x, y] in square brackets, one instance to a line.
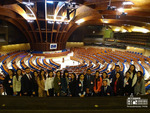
[79, 76]
[141, 77]
[95, 75]
[13, 72]
[134, 71]
[17, 73]
[50, 72]
[40, 76]
[58, 72]
[65, 71]
[74, 76]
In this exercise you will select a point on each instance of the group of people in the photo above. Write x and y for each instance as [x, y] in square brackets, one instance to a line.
[44, 84]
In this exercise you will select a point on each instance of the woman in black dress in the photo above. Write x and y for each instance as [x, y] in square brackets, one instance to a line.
[8, 84]
[72, 85]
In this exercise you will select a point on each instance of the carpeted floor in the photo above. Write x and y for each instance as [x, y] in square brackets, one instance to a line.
[9, 104]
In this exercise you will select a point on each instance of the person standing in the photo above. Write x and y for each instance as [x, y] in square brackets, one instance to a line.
[27, 83]
[89, 80]
[117, 85]
[106, 90]
[97, 84]
[127, 84]
[57, 84]
[133, 76]
[81, 86]
[49, 84]
[35, 84]
[65, 83]
[72, 85]
[17, 82]
[139, 88]
[41, 83]
[8, 83]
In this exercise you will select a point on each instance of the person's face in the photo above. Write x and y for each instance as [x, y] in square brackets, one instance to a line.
[42, 73]
[132, 68]
[117, 75]
[10, 72]
[27, 71]
[138, 74]
[35, 74]
[104, 75]
[88, 72]
[72, 76]
[19, 72]
[117, 69]
[66, 74]
[82, 77]
[97, 74]
[127, 74]
[104, 83]
[51, 74]
[58, 74]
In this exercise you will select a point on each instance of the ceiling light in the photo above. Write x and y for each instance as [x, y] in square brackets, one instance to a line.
[58, 22]
[28, 3]
[30, 21]
[105, 20]
[50, 2]
[117, 29]
[50, 22]
[79, 21]
[127, 3]
[124, 31]
[143, 30]
[121, 9]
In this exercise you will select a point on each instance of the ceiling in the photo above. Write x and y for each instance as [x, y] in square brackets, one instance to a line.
[89, 12]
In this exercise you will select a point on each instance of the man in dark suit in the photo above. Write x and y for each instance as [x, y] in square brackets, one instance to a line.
[113, 73]
[106, 90]
[89, 80]
[27, 83]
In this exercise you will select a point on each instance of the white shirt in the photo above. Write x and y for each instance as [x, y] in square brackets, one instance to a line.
[134, 79]
[29, 76]
[108, 82]
[49, 83]
[125, 82]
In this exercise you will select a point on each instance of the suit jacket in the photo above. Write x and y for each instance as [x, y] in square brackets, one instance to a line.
[7, 82]
[81, 89]
[57, 85]
[127, 88]
[72, 87]
[27, 85]
[119, 87]
[35, 85]
[64, 84]
[113, 74]
[108, 92]
[89, 82]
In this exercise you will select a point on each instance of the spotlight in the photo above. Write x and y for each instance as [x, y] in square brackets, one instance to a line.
[120, 10]
[66, 23]
[111, 7]
[117, 16]
[50, 22]
[58, 22]
[30, 21]
[123, 14]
